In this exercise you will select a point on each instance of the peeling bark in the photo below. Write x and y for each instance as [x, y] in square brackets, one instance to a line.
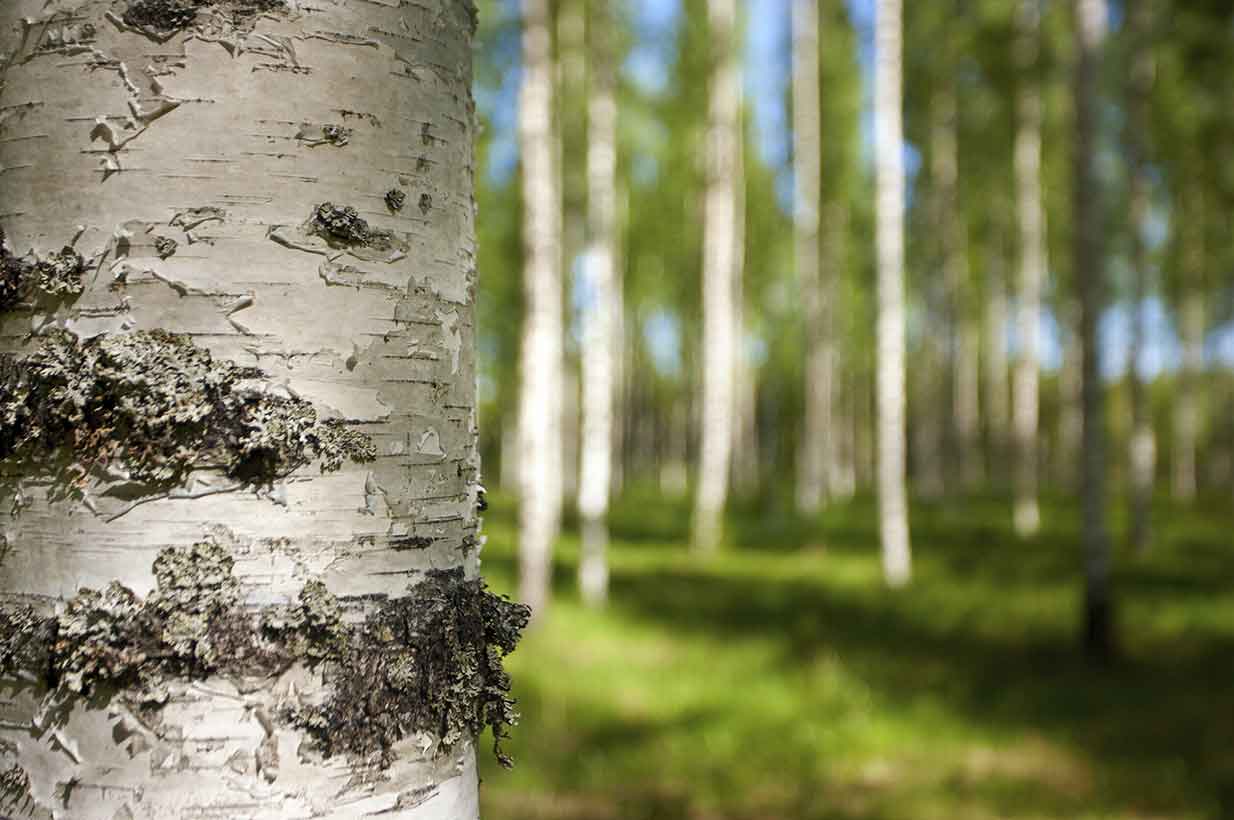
[224, 168]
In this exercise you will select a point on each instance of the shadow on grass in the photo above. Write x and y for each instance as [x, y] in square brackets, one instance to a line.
[1157, 728]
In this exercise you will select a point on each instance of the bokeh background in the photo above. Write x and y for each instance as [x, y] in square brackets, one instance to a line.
[779, 675]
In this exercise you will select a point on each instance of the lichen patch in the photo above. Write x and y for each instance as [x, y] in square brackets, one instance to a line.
[430, 662]
[57, 275]
[158, 406]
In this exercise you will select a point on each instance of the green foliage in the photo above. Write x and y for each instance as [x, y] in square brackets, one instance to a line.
[159, 406]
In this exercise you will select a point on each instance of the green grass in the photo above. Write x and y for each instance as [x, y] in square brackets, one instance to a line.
[780, 679]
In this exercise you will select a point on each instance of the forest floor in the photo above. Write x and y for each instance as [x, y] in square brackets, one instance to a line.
[781, 679]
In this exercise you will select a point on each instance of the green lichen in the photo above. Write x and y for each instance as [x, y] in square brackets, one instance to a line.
[160, 406]
[58, 275]
[429, 662]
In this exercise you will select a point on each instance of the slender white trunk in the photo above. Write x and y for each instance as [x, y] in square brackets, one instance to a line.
[1191, 327]
[953, 237]
[570, 139]
[719, 270]
[206, 164]
[889, 168]
[1090, 274]
[807, 173]
[1032, 252]
[997, 390]
[540, 414]
[745, 468]
[600, 343]
[1142, 450]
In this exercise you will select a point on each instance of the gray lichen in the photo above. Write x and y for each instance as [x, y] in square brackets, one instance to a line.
[14, 788]
[342, 224]
[395, 199]
[165, 246]
[429, 662]
[58, 275]
[164, 17]
[160, 406]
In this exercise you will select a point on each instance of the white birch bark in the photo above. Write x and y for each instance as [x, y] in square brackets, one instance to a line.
[889, 170]
[719, 271]
[540, 453]
[600, 344]
[1032, 269]
[814, 455]
[1090, 274]
[112, 138]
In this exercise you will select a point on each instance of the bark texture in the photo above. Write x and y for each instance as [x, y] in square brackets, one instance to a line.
[719, 274]
[1090, 275]
[1030, 212]
[889, 171]
[542, 393]
[231, 173]
[601, 351]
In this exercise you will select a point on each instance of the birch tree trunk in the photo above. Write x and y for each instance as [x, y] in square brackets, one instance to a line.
[1191, 327]
[570, 138]
[1142, 455]
[889, 170]
[997, 390]
[807, 173]
[228, 174]
[601, 351]
[953, 237]
[1090, 274]
[745, 458]
[540, 451]
[1032, 251]
[719, 271]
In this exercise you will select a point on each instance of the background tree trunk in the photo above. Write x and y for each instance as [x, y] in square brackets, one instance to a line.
[953, 238]
[719, 270]
[889, 169]
[1191, 329]
[814, 455]
[1142, 449]
[1090, 276]
[1032, 250]
[540, 416]
[600, 343]
[189, 174]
